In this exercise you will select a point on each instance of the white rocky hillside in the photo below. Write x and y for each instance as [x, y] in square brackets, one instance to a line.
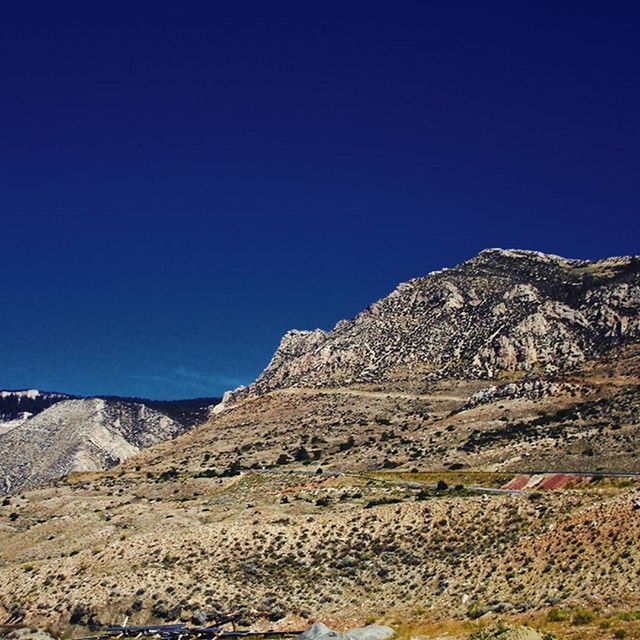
[78, 435]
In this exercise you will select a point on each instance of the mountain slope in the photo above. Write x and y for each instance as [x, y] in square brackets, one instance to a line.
[504, 310]
[514, 360]
[78, 435]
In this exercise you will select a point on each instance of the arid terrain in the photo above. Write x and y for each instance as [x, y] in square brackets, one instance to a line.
[425, 465]
[286, 547]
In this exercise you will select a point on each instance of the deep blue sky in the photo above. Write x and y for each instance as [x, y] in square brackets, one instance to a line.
[180, 183]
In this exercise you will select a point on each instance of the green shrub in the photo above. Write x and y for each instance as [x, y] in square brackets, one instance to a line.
[475, 611]
[582, 617]
[557, 615]
[301, 454]
[381, 501]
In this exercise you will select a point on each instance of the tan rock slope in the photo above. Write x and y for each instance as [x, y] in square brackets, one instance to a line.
[504, 310]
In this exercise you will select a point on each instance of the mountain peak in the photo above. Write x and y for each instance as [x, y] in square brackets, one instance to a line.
[524, 254]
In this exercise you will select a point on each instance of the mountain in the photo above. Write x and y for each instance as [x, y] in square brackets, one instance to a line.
[44, 436]
[502, 311]
[79, 435]
[465, 448]
[513, 360]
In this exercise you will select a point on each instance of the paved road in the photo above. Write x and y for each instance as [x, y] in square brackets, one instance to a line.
[606, 474]
[420, 485]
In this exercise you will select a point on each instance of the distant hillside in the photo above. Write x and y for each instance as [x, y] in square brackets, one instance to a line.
[44, 436]
[79, 435]
[188, 412]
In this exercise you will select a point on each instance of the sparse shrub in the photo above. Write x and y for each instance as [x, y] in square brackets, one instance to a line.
[169, 474]
[344, 446]
[557, 615]
[207, 473]
[301, 454]
[475, 611]
[380, 501]
[582, 617]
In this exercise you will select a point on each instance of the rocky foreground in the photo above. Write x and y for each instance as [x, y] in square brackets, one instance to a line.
[284, 549]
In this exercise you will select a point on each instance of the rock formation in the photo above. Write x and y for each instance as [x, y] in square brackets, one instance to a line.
[504, 310]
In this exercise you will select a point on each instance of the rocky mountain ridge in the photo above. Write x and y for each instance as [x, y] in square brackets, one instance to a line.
[78, 435]
[502, 311]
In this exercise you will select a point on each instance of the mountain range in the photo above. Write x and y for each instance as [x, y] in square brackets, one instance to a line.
[513, 359]
[465, 448]
[502, 311]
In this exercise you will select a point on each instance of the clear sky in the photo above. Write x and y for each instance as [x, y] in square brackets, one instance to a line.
[180, 183]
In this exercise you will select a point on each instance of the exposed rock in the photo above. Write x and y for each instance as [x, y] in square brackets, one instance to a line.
[28, 634]
[529, 389]
[78, 435]
[16, 406]
[320, 631]
[504, 310]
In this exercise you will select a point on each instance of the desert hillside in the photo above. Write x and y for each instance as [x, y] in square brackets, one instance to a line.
[463, 450]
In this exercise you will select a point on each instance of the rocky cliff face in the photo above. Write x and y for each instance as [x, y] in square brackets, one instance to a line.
[78, 435]
[504, 310]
